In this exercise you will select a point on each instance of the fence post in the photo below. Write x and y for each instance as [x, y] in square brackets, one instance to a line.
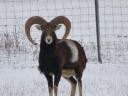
[98, 30]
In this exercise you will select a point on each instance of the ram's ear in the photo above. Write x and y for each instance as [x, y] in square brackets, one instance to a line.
[58, 27]
[38, 27]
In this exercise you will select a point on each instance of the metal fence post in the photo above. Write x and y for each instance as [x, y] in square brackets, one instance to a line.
[98, 30]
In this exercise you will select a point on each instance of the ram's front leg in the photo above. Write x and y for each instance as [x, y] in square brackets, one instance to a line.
[56, 83]
[50, 83]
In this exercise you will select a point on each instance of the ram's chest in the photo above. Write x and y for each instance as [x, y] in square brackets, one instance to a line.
[50, 66]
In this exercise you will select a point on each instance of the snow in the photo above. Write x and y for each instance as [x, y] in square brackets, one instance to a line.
[98, 80]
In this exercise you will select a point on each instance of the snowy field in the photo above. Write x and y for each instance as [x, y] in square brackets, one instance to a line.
[98, 80]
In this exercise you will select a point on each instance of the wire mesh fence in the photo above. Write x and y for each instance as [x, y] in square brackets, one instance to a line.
[15, 49]
[114, 30]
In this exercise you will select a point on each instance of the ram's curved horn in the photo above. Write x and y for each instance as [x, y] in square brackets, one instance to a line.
[33, 20]
[66, 22]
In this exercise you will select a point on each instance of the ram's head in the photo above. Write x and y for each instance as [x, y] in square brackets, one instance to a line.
[48, 28]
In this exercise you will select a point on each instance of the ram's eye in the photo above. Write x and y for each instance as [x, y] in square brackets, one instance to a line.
[58, 27]
[38, 27]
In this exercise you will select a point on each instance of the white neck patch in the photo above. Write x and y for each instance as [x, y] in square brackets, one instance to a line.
[74, 50]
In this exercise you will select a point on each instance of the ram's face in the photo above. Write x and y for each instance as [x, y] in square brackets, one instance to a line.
[48, 32]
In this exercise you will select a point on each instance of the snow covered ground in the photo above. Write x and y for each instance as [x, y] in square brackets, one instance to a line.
[98, 80]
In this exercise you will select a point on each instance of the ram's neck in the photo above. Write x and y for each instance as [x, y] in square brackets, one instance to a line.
[47, 59]
[47, 49]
